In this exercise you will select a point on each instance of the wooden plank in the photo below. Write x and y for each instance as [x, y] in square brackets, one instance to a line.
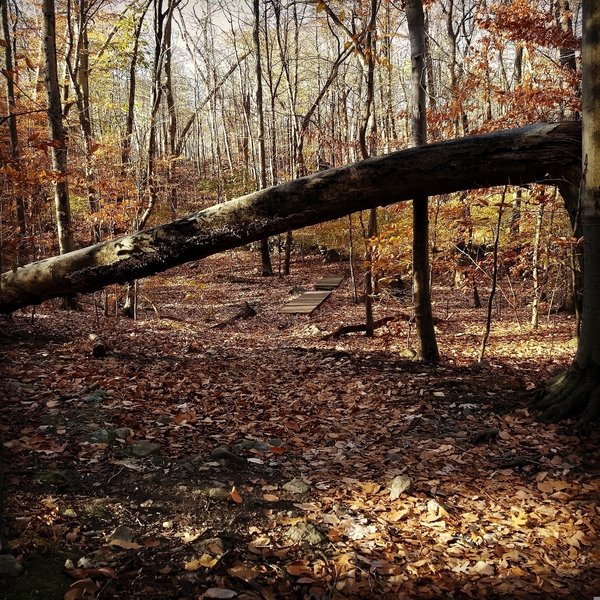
[329, 283]
[305, 303]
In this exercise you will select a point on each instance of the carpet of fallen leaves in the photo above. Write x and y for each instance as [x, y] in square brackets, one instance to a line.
[202, 456]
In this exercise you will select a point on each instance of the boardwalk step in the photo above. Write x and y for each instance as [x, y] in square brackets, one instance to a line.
[305, 303]
[329, 283]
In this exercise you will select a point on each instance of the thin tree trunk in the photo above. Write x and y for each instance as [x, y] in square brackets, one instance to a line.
[172, 137]
[515, 217]
[428, 350]
[126, 141]
[79, 73]
[162, 20]
[12, 129]
[265, 254]
[488, 320]
[535, 266]
[366, 127]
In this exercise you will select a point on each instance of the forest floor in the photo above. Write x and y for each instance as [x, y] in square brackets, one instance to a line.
[261, 459]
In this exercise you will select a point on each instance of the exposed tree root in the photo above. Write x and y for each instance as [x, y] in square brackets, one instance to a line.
[345, 329]
[574, 393]
[245, 312]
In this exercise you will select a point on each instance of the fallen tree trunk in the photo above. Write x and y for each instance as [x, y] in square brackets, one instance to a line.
[542, 153]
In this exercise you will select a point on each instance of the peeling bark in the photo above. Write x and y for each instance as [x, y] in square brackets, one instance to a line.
[541, 153]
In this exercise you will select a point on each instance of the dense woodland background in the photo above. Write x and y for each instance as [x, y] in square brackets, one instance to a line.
[163, 114]
[217, 447]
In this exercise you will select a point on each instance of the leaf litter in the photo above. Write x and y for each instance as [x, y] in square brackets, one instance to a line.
[262, 459]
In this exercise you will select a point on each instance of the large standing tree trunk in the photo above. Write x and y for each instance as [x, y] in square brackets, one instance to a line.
[537, 153]
[57, 131]
[578, 390]
[428, 350]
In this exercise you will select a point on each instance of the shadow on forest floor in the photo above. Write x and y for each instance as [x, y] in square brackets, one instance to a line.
[264, 461]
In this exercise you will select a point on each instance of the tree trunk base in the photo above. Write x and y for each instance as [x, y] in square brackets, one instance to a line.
[576, 392]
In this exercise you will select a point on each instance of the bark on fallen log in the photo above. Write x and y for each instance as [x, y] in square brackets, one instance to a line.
[542, 153]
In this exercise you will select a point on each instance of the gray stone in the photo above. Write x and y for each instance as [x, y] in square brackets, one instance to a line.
[260, 446]
[101, 436]
[144, 448]
[394, 457]
[219, 494]
[399, 485]
[221, 593]
[276, 442]
[123, 533]
[95, 395]
[305, 533]
[296, 486]
[198, 460]
[222, 452]
[9, 567]
[242, 446]
[122, 433]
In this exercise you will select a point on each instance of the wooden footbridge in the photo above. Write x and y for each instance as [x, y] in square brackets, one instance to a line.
[308, 301]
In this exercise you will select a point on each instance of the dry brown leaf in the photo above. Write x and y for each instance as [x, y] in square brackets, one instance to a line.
[481, 567]
[81, 588]
[93, 572]
[394, 516]
[125, 545]
[151, 543]
[298, 568]
[577, 539]
[549, 486]
[206, 560]
[370, 487]
[244, 572]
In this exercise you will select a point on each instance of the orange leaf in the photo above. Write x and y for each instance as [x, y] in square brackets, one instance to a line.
[93, 572]
[81, 588]
[244, 572]
[235, 496]
[298, 568]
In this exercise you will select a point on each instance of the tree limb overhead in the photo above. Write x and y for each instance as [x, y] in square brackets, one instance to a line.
[540, 153]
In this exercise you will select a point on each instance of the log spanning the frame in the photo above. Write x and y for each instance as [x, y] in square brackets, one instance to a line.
[540, 153]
